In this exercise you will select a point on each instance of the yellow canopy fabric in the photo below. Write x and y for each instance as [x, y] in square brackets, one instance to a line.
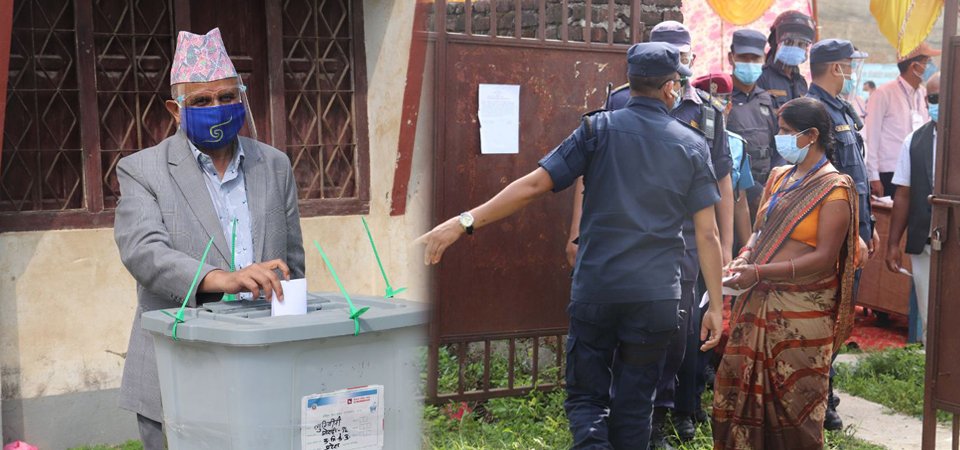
[906, 23]
[740, 12]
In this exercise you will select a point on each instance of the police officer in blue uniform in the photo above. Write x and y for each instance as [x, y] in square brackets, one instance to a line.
[753, 114]
[791, 34]
[831, 67]
[644, 172]
[705, 113]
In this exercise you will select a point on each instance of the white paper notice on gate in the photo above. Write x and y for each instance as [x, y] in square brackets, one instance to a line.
[499, 113]
[348, 419]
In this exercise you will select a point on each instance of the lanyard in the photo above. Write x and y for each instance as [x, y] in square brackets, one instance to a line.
[911, 99]
[782, 191]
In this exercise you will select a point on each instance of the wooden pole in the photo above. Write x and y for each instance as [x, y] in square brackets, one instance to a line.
[929, 440]
[411, 107]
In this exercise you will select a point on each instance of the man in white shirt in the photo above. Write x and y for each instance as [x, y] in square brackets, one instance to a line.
[911, 211]
[895, 110]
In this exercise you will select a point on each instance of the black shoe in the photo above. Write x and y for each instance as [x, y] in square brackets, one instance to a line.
[658, 433]
[660, 443]
[833, 401]
[709, 375]
[832, 420]
[700, 416]
[683, 424]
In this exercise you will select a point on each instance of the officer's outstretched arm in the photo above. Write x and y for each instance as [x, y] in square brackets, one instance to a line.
[708, 247]
[511, 199]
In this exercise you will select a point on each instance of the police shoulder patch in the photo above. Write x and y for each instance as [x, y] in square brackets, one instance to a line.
[692, 125]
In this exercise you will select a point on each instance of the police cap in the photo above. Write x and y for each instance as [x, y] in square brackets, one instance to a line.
[655, 59]
[831, 50]
[671, 32]
[750, 42]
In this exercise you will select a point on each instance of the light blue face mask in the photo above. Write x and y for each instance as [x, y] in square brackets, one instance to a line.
[934, 110]
[929, 71]
[791, 55]
[848, 85]
[787, 147]
[747, 73]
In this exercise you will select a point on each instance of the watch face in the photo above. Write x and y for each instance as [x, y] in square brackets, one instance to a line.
[466, 220]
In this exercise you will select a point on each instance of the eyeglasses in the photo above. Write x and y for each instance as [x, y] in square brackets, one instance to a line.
[933, 99]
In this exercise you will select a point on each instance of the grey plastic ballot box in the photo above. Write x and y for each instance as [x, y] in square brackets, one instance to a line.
[237, 378]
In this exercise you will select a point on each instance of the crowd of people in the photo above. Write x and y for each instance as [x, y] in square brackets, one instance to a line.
[754, 184]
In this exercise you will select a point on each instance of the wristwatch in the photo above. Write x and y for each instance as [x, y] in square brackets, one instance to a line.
[466, 221]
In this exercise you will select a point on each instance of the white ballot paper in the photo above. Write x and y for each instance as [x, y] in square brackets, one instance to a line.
[499, 113]
[349, 419]
[294, 298]
[726, 291]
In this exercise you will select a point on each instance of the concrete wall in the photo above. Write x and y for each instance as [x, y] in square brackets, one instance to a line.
[68, 302]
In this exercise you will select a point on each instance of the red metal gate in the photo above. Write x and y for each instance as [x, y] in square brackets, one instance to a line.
[501, 294]
[942, 384]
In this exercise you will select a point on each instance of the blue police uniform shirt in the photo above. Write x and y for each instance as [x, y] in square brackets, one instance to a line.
[740, 176]
[618, 98]
[690, 112]
[643, 173]
[848, 148]
[783, 88]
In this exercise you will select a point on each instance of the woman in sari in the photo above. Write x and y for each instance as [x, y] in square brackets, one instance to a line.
[797, 271]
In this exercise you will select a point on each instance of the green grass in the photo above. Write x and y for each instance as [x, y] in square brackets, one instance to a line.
[129, 445]
[893, 378]
[537, 421]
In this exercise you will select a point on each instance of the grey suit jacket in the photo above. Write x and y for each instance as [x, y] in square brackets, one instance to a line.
[165, 218]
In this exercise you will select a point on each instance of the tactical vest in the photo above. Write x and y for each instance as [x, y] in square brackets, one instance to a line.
[756, 122]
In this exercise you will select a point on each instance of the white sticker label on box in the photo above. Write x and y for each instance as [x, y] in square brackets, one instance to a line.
[348, 419]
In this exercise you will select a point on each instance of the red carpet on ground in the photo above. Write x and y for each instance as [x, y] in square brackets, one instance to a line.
[870, 333]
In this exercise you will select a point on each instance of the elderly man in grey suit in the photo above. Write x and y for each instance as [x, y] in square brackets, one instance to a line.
[203, 182]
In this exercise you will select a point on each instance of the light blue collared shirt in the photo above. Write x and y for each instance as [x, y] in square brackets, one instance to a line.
[229, 197]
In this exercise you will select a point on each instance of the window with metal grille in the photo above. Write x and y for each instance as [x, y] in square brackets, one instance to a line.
[88, 81]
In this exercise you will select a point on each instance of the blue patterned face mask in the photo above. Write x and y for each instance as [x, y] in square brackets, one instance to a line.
[791, 55]
[212, 127]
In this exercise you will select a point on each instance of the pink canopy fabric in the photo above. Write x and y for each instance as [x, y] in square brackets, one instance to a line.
[711, 35]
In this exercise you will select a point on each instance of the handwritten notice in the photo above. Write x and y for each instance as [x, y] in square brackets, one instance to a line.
[499, 113]
[348, 419]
